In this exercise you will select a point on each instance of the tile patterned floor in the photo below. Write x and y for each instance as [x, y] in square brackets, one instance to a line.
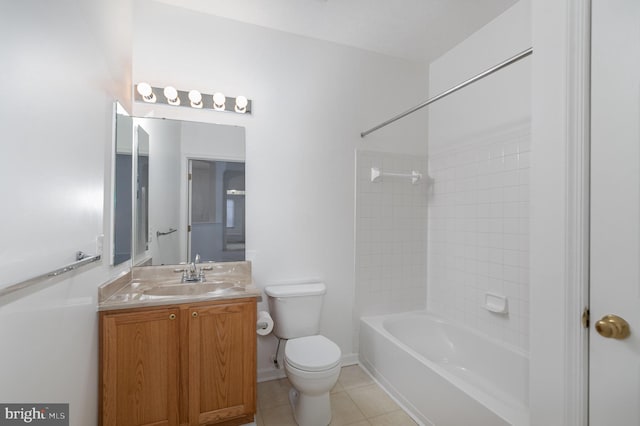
[356, 400]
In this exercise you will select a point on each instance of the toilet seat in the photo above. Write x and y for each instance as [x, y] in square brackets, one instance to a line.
[312, 353]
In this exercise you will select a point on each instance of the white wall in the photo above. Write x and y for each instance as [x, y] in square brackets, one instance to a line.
[311, 101]
[479, 143]
[497, 103]
[61, 74]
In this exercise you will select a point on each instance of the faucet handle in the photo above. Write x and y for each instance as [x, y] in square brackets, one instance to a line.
[197, 259]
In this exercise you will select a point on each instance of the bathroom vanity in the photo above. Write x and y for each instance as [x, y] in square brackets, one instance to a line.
[175, 353]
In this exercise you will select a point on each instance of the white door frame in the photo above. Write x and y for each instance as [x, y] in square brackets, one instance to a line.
[189, 206]
[577, 212]
[560, 212]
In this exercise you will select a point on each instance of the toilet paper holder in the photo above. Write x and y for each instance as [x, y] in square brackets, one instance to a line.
[264, 323]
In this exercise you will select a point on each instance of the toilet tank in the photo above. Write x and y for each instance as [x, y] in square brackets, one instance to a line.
[296, 308]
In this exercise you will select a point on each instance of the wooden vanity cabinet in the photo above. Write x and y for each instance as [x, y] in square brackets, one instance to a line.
[190, 364]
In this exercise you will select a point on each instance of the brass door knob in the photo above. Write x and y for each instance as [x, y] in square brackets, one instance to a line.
[613, 326]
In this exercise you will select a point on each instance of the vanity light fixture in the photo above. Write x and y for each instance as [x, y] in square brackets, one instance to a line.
[196, 98]
[171, 94]
[144, 92]
[219, 100]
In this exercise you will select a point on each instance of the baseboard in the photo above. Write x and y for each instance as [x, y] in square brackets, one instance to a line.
[272, 373]
[350, 359]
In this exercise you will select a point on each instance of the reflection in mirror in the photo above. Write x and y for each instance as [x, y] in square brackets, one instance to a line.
[216, 206]
[142, 192]
[122, 184]
[164, 230]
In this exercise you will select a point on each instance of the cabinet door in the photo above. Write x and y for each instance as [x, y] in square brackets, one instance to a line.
[222, 362]
[139, 368]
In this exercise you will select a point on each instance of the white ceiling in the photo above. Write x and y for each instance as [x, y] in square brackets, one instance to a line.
[417, 30]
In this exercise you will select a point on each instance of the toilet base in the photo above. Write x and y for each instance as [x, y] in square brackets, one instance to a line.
[310, 410]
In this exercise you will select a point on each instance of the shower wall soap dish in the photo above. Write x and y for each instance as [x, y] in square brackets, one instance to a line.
[496, 303]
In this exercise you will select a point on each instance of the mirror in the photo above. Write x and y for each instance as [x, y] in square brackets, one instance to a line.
[189, 192]
[141, 206]
[122, 198]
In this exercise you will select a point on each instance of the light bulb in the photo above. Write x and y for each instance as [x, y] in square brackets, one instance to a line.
[146, 91]
[171, 94]
[241, 104]
[196, 99]
[218, 101]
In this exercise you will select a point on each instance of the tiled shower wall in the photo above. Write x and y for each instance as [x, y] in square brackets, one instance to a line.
[391, 235]
[478, 234]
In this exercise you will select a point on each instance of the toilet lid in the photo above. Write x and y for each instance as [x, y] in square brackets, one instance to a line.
[312, 353]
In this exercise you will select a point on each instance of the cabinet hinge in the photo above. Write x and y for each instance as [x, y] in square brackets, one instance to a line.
[189, 176]
[188, 228]
[585, 318]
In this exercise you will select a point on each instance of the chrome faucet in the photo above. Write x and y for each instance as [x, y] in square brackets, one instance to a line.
[192, 273]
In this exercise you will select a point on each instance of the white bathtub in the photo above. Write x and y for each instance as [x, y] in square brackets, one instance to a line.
[446, 375]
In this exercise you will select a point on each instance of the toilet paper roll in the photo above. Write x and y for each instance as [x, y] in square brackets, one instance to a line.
[264, 324]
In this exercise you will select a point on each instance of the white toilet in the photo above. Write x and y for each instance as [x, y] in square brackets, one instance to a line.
[311, 361]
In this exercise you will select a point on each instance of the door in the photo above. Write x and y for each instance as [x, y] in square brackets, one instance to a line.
[222, 362]
[216, 210]
[614, 382]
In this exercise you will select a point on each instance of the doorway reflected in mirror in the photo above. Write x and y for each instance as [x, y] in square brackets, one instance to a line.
[216, 206]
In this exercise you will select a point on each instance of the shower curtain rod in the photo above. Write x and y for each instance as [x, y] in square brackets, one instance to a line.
[480, 76]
